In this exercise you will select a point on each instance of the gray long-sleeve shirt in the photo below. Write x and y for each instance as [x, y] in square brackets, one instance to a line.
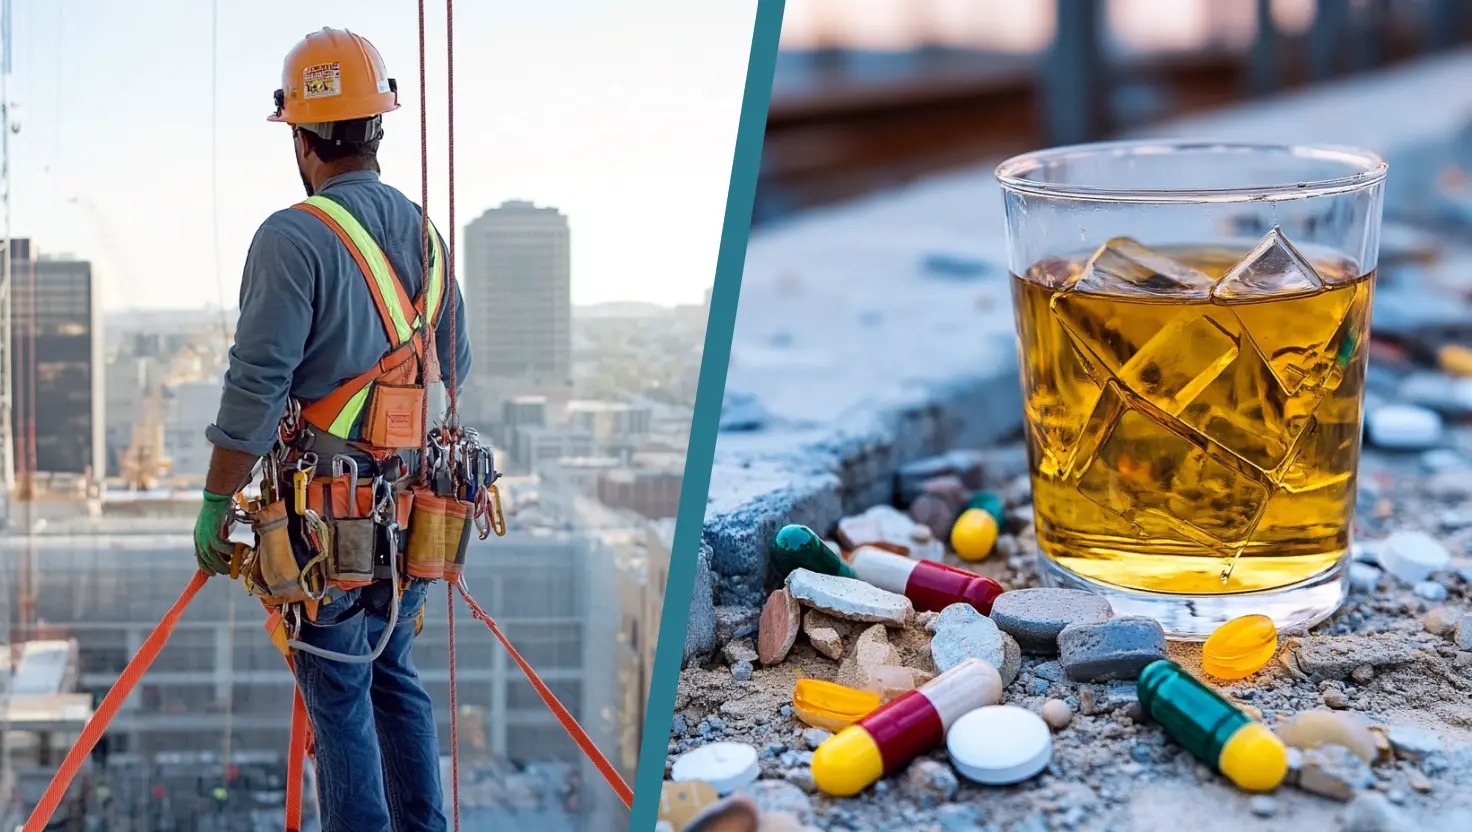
[307, 319]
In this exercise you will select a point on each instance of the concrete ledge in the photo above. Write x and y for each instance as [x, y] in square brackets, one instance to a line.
[875, 333]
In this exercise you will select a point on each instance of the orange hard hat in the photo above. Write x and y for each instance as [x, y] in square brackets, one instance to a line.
[333, 75]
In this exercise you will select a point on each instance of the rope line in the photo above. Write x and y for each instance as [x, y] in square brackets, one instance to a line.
[121, 689]
[569, 722]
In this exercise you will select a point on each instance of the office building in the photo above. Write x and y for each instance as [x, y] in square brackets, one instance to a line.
[518, 305]
[56, 349]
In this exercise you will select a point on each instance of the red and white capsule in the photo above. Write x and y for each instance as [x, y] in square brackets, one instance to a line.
[930, 586]
[889, 738]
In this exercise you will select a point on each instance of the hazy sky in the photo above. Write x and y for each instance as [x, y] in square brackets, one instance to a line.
[623, 115]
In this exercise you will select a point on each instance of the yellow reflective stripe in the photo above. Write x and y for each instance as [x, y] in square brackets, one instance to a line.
[342, 426]
[377, 263]
[436, 274]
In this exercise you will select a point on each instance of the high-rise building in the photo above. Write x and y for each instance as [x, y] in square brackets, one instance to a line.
[56, 349]
[518, 305]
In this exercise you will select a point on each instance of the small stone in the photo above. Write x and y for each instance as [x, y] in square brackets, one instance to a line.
[892, 682]
[1372, 812]
[1051, 670]
[1335, 657]
[963, 466]
[739, 651]
[1439, 620]
[780, 796]
[849, 599]
[1117, 648]
[1450, 485]
[951, 489]
[1295, 765]
[825, 632]
[777, 629]
[1334, 771]
[1336, 699]
[1036, 616]
[741, 671]
[1057, 714]
[801, 778]
[872, 651]
[962, 633]
[1363, 577]
[934, 512]
[1315, 729]
[1403, 427]
[925, 546]
[1462, 634]
[815, 737]
[883, 526]
[1412, 742]
[930, 782]
[733, 622]
[779, 822]
[1412, 556]
[1462, 659]
[1430, 590]
[1362, 674]
[1262, 805]
[1418, 781]
[1011, 660]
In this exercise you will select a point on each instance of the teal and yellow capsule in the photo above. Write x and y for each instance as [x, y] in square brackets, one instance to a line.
[799, 547]
[1214, 730]
[975, 531]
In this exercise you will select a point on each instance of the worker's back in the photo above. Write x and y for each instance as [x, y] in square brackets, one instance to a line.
[306, 310]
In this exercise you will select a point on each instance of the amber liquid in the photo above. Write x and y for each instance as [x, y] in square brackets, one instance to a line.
[1198, 445]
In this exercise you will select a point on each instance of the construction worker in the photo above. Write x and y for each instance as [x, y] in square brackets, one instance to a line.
[325, 285]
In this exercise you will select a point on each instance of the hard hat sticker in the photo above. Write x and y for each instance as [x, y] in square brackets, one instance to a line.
[383, 85]
[321, 81]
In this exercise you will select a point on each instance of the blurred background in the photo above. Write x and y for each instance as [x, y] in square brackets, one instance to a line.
[872, 94]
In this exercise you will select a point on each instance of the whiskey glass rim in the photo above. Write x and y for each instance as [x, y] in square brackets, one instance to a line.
[1362, 169]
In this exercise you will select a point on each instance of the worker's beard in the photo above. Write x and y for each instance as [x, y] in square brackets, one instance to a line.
[306, 183]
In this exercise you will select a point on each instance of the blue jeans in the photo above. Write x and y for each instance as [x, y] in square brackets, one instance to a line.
[378, 759]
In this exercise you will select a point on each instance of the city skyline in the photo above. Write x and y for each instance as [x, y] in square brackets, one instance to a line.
[537, 118]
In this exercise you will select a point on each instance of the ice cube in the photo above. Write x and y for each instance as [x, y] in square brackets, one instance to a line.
[1273, 268]
[1123, 266]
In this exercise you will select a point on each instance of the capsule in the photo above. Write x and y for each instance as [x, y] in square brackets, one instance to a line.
[976, 529]
[1214, 730]
[928, 585]
[889, 738]
[831, 706]
[799, 547]
[1240, 647]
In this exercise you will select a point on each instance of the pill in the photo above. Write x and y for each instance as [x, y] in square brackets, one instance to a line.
[890, 737]
[726, 766]
[831, 706]
[1214, 730]
[1240, 647]
[679, 803]
[975, 531]
[930, 586]
[799, 547]
[1000, 744]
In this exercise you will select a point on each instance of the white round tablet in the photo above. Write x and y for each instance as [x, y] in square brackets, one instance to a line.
[999, 744]
[727, 766]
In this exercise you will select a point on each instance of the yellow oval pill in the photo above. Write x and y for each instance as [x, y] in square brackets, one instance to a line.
[831, 706]
[974, 534]
[1240, 647]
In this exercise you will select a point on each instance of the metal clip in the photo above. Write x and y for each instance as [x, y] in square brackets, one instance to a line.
[305, 468]
[498, 519]
[344, 464]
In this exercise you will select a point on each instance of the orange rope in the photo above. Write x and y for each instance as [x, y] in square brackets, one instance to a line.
[105, 712]
[296, 757]
[454, 709]
[569, 723]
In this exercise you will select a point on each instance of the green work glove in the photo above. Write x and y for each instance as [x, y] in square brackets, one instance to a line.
[211, 549]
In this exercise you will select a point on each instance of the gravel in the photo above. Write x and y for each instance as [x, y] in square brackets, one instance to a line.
[1384, 656]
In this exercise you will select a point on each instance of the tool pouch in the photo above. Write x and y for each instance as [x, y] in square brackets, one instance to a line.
[395, 416]
[438, 534]
[274, 556]
[353, 543]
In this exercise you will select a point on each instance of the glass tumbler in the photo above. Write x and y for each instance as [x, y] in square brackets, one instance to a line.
[1192, 323]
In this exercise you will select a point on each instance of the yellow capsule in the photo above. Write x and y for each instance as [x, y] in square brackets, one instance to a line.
[974, 534]
[831, 706]
[1240, 647]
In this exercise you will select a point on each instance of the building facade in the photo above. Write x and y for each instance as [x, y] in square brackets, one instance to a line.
[518, 305]
[56, 350]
